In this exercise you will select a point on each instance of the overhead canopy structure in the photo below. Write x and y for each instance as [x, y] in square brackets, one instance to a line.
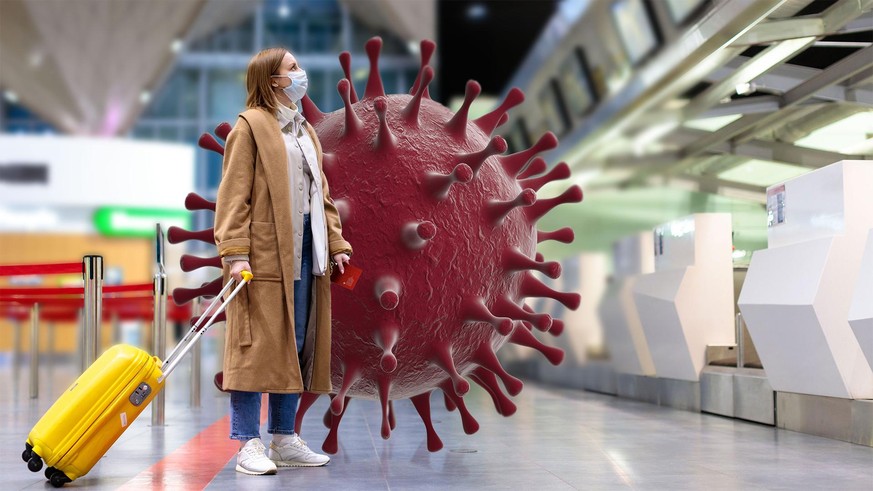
[741, 95]
[90, 66]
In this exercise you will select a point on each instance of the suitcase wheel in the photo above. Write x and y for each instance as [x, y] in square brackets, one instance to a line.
[49, 472]
[35, 463]
[58, 479]
[28, 452]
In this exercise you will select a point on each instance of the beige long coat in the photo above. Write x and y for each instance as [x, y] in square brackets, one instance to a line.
[253, 216]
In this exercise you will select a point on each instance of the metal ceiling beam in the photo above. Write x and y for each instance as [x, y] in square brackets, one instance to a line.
[757, 65]
[836, 73]
[781, 30]
[703, 48]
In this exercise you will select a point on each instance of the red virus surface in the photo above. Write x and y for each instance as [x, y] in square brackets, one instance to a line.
[443, 226]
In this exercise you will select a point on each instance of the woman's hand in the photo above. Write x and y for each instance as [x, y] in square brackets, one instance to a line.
[339, 259]
[238, 267]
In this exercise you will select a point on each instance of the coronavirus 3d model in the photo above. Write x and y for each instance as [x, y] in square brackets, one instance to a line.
[443, 224]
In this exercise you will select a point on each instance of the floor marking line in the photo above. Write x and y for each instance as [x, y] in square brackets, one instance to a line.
[196, 463]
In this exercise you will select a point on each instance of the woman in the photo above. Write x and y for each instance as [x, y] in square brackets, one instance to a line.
[274, 216]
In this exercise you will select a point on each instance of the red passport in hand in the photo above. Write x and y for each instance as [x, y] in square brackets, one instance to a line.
[348, 279]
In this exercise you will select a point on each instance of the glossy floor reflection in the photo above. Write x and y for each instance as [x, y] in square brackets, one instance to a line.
[558, 439]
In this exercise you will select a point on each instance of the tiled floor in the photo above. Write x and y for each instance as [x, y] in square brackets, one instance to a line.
[558, 439]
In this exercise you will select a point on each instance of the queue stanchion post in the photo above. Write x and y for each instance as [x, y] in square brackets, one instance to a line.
[34, 351]
[741, 351]
[80, 336]
[51, 344]
[93, 275]
[16, 343]
[195, 365]
[159, 331]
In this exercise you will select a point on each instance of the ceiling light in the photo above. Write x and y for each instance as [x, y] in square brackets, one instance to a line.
[176, 45]
[745, 88]
[36, 58]
[11, 96]
[477, 11]
[284, 11]
[145, 96]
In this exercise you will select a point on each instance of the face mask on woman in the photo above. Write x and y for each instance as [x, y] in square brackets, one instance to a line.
[299, 83]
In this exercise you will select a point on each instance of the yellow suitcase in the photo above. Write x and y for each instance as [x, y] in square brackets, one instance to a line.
[90, 416]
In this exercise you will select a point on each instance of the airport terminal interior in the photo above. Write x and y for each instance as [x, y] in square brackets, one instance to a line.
[597, 244]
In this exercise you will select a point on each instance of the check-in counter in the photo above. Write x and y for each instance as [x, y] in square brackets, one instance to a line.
[861, 310]
[797, 293]
[687, 303]
[623, 332]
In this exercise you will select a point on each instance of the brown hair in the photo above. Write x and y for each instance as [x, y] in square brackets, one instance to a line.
[258, 80]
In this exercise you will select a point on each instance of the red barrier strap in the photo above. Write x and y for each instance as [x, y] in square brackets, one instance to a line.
[139, 287]
[74, 290]
[28, 269]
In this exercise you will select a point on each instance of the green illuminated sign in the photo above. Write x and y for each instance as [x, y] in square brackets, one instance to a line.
[138, 222]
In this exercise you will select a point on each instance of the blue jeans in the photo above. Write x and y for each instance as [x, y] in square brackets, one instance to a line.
[245, 407]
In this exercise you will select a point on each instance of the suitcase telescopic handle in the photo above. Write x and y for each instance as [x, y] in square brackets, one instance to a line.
[199, 328]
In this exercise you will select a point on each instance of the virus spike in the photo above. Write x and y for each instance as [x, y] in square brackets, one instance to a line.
[181, 296]
[386, 339]
[353, 123]
[539, 257]
[344, 209]
[385, 141]
[439, 184]
[504, 306]
[443, 359]
[345, 59]
[535, 167]
[417, 234]
[560, 171]
[190, 263]
[496, 146]
[222, 130]
[387, 291]
[522, 337]
[307, 399]
[572, 195]
[422, 405]
[209, 142]
[374, 83]
[176, 235]
[488, 381]
[485, 358]
[328, 417]
[557, 327]
[532, 287]
[467, 420]
[474, 310]
[427, 49]
[410, 112]
[330, 444]
[196, 202]
[516, 162]
[350, 376]
[496, 210]
[488, 122]
[450, 406]
[564, 235]
[311, 111]
[514, 260]
[392, 421]
[329, 161]
[384, 393]
[457, 126]
[503, 120]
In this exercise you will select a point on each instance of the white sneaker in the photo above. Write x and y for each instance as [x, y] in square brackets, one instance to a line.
[253, 460]
[291, 451]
